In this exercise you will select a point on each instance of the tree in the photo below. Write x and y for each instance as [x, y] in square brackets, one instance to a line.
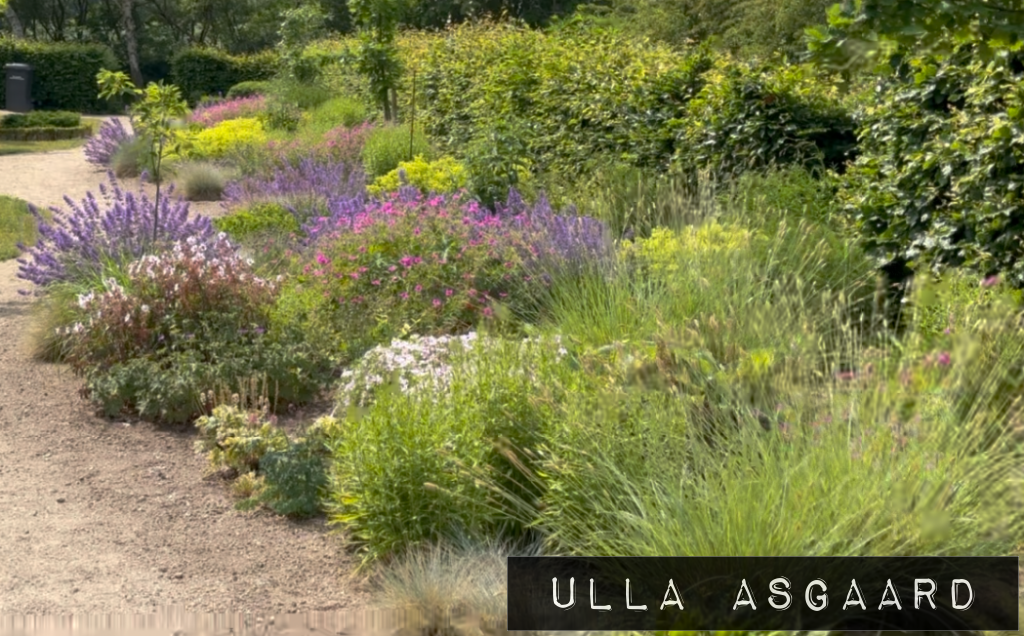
[377, 57]
[131, 41]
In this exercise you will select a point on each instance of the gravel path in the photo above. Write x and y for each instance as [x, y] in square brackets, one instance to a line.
[111, 517]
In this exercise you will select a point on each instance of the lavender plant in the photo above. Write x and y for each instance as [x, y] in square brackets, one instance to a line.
[308, 189]
[119, 228]
[100, 149]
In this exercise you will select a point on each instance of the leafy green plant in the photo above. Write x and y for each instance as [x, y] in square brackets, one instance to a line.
[220, 140]
[387, 146]
[338, 111]
[377, 57]
[295, 479]
[257, 219]
[443, 175]
[280, 115]
[238, 440]
[248, 89]
[17, 226]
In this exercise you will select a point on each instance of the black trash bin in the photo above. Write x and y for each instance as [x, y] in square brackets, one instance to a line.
[18, 87]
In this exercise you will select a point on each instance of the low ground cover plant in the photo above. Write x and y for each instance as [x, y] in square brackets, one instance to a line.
[219, 140]
[201, 181]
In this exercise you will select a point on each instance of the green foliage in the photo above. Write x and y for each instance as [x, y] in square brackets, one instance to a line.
[132, 158]
[444, 175]
[62, 73]
[299, 26]
[42, 119]
[235, 439]
[938, 183]
[338, 111]
[279, 115]
[295, 479]
[750, 117]
[257, 219]
[248, 89]
[388, 146]
[304, 96]
[497, 161]
[218, 141]
[206, 71]
[201, 181]
[400, 475]
[377, 56]
[17, 225]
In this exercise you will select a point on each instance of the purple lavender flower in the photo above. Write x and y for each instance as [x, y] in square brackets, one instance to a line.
[120, 229]
[100, 148]
[308, 188]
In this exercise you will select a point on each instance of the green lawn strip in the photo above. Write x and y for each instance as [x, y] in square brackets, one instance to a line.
[16, 225]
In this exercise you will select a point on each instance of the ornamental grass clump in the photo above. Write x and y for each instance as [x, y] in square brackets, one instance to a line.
[212, 114]
[435, 265]
[101, 148]
[77, 244]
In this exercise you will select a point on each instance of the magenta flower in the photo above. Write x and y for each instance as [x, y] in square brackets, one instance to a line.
[418, 288]
[437, 302]
[320, 258]
[449, 292]
[991, 281]
[944, 359]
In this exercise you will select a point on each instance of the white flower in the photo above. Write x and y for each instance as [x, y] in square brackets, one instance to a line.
[145, 309]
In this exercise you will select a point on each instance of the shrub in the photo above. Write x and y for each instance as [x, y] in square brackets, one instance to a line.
[238, 108]
[445, 175]
[432, 266]
[101, 148]
[936, 184]
[578, 95]
[280, 115]
[218, 141]
[248, 89]
[42, 119]
[64, 73]
[295, 479]
[387, 146]
[202, 181]
[204, 71]
[305, 96]
[339, 111]
[234, 439]
[185, 322]
[749, 117]
[257, 218]
[78, 244]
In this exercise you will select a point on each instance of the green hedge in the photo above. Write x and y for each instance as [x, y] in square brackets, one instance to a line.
[63, 74]
[47, 133]
[205, 71]
[42, 119]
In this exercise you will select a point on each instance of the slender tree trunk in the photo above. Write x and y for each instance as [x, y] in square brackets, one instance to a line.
[12, 19]
[131, 42]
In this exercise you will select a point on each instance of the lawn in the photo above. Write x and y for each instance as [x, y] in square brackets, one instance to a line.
[16, 225]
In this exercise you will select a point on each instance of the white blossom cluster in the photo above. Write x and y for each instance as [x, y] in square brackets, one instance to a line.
[419, 363]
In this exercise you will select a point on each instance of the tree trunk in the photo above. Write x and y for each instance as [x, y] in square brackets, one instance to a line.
[131, 42]
[12, 19]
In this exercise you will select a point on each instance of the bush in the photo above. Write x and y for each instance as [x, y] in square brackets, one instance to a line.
[205, 71]
[79, 244]
[201, 181]
[339, 111]
[101, 148]
[64, 74]
[577, 95]
[445, 175]
[337, 146]
[185, 322]
[307, 190]
[238, 108]
[750, 117]
[280, 115]
[218, 141]
[237, 440]
[248, 89]
[42, 119]
[938, 179]
[257, 218]
[306, 96]
[388, 146]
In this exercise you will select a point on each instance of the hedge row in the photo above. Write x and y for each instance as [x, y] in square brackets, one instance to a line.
[63, 75]
[47, 133]
[204, 71]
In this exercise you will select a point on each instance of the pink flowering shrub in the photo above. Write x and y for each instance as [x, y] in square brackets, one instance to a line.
[433, 265]
[243, 107]
[182, 322]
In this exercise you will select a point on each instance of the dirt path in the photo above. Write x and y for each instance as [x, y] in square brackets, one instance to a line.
[106, 517]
